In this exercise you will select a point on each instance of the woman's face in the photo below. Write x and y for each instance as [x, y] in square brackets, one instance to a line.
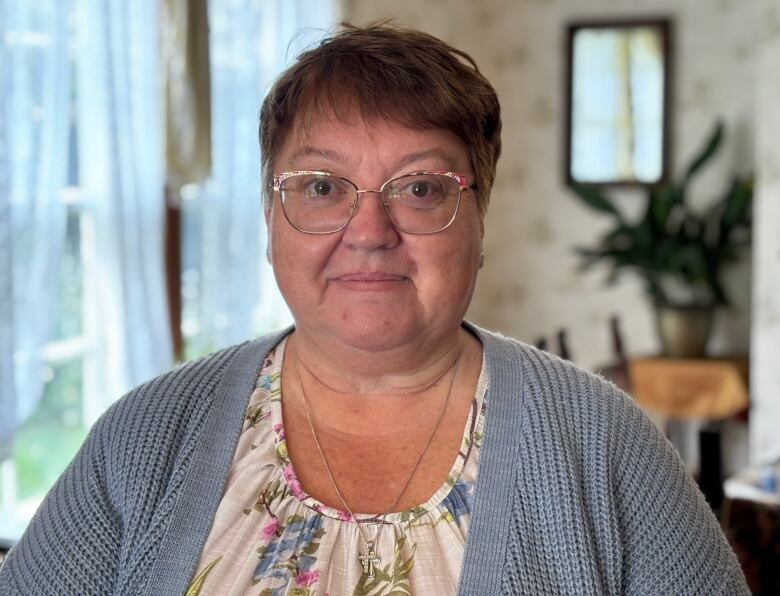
[369, 286]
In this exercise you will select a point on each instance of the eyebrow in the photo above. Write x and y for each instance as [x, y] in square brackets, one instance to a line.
[311, 151]
[334, 156]
[447, 158]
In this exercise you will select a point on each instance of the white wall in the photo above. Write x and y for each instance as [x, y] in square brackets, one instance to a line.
[529, 286]
[765, 359]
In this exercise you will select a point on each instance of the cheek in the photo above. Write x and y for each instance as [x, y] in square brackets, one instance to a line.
[465, 248]
[299, 260]
[453, 267]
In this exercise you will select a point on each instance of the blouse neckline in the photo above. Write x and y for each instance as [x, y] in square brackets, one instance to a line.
[474, 424]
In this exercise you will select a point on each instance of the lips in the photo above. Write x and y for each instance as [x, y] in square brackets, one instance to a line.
[369, 281]
[369, 276]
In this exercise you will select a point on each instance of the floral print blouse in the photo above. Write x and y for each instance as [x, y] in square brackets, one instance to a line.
[270, 538]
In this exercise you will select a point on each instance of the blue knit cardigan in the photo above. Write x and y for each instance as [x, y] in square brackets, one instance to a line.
[577, 492]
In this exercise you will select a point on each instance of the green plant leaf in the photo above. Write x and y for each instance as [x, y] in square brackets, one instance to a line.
[669, 241]
[595, 199]
[737, 204]
[706, 153]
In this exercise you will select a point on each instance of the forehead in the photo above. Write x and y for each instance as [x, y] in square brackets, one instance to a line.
[350, 142]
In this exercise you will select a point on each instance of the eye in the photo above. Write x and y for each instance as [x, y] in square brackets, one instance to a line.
[319, 187]
[421, 188]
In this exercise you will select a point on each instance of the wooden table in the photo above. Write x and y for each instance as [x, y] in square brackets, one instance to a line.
[712, 389]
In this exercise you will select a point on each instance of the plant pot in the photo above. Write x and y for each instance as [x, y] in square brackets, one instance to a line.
[684, 330]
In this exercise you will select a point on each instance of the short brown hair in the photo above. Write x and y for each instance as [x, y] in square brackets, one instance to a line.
[399, 74]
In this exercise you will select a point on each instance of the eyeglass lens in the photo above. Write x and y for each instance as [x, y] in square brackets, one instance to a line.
[415, 203]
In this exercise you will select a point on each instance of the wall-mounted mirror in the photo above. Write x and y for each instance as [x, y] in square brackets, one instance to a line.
[617, 129]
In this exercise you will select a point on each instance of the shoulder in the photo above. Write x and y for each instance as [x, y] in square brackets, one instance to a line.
[111, 509]
[564, 409]
[548, 385]
[192, 385]
[156, 421]
[620, 491]
[636, 490]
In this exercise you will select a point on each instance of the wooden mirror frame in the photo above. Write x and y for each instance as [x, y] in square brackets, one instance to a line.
[664, 27]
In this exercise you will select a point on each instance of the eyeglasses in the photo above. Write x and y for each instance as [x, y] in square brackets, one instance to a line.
[417, 203]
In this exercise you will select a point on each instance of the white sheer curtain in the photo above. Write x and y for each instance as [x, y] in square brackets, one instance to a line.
[82, 174]
[230, 293]
[105, 55]
[34, 127]
[122, 174]
[7, 398]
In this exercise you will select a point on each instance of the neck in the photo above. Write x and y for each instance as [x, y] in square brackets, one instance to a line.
[405, 370]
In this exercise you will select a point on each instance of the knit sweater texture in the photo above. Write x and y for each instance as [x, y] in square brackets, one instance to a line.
[577, 491]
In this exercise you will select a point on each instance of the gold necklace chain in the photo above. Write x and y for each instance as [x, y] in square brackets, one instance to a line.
[370, 558]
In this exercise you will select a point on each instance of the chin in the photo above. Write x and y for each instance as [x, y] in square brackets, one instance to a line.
[376, 340]
[377, 334]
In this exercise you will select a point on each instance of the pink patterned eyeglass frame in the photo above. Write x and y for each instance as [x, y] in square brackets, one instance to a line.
[461, 178]
[278, 179]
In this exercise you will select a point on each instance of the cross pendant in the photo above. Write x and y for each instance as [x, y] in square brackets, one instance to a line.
[369, 560]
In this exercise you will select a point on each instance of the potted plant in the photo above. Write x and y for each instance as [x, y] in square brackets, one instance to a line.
[679, 253]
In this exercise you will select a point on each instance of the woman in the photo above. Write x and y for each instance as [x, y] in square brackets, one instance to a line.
[382, 445]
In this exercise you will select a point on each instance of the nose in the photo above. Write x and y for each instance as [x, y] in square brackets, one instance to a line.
[370, 225]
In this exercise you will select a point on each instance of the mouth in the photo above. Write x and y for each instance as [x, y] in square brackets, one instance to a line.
[370, 276]
[369, 281]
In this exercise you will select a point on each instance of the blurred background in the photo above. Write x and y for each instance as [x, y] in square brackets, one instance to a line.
[633, 226]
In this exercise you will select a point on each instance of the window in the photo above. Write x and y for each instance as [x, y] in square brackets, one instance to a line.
[228, 290]
[104, 207]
